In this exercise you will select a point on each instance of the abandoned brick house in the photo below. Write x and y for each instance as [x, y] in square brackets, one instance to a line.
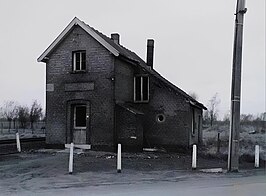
[100, 93]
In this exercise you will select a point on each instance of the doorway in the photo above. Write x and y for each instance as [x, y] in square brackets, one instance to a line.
[78, 122]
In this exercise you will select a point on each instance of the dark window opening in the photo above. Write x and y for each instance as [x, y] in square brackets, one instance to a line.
[145, 88]
[79, 61]
[138, 88]
[193, 123]
[141, 90]
[80, 116]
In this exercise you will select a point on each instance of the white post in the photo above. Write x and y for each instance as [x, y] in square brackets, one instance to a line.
[194, 157]
[18, 142]
[70, 167]
[119, 158]
[257, 156]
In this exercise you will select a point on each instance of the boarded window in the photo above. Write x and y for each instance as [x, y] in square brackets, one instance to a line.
[80, 116]
[141, 90]
[79, 61]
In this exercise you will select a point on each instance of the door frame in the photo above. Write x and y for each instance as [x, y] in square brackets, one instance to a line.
[70, 120]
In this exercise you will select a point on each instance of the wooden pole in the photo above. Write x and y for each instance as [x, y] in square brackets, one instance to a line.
[233, 154]
[218, 143]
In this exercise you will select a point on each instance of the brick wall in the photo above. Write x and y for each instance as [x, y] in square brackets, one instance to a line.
[174, 131]
[129, 129]
[124, 78]
[99, 88]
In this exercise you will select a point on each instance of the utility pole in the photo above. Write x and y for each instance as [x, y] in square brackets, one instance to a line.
[233, 154]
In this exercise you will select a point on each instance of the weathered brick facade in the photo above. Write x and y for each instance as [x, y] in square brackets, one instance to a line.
[106, 89]
[99, 73]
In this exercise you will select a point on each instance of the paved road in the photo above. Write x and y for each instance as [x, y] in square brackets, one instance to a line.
[203, 185]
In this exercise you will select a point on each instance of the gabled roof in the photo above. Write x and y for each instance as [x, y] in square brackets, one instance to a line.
[65, 32]
[118, 51]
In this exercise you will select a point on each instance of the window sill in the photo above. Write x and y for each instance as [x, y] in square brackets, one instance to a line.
[79, 128]
[141, 101]
[79, 72]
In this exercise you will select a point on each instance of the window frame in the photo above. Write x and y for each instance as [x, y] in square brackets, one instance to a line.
[75, 117]
[74, 65]
[141, 89]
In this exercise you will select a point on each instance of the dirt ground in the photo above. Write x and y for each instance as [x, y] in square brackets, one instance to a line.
[39, 170]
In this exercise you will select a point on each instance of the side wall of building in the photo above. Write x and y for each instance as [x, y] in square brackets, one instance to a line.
[167, 116]
[175, 129]
[63, 86]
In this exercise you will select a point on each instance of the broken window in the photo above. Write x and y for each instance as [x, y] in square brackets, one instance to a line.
[141, 88]
[80, 117]
[79, 61]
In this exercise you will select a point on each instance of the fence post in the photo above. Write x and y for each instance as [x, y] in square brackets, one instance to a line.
[71, 156]
[119, 158]
[257, 156]
[218, 143]
[18, 142]
[194, 157]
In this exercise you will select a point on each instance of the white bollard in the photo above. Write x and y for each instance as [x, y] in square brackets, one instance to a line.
[18, 142]
[257, 156]
[119, 158]
[71, 155]
[194, 157]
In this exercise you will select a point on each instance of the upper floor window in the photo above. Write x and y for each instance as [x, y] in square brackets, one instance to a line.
[79, 61]
[141, 88]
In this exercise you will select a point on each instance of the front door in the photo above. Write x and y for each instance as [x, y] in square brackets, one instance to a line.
[79, 124]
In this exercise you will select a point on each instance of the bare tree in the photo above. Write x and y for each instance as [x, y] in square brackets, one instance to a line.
[35, 113]
[246, 117]
[213, 108]
[23, 116]
[9, 112]
[226, 117]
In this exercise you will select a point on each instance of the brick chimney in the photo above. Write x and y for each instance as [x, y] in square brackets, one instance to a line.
[150, 49]
[115, 37]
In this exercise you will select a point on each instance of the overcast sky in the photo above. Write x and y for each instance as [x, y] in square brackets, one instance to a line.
[193, 43]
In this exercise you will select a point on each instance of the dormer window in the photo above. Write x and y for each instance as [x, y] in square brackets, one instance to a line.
[141, 89]
[79, 60]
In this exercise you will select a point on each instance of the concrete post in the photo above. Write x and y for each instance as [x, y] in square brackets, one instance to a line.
[257, 156]
[18, 142]
[194, 157]
[233, 154]
[71, 156]
[119, 158]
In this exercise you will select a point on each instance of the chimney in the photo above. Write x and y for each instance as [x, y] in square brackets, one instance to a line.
[115, 37]
[150, 49]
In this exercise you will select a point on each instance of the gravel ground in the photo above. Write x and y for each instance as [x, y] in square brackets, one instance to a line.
[46, 169]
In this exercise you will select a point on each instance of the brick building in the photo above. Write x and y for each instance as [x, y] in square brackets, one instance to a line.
[100, 93]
